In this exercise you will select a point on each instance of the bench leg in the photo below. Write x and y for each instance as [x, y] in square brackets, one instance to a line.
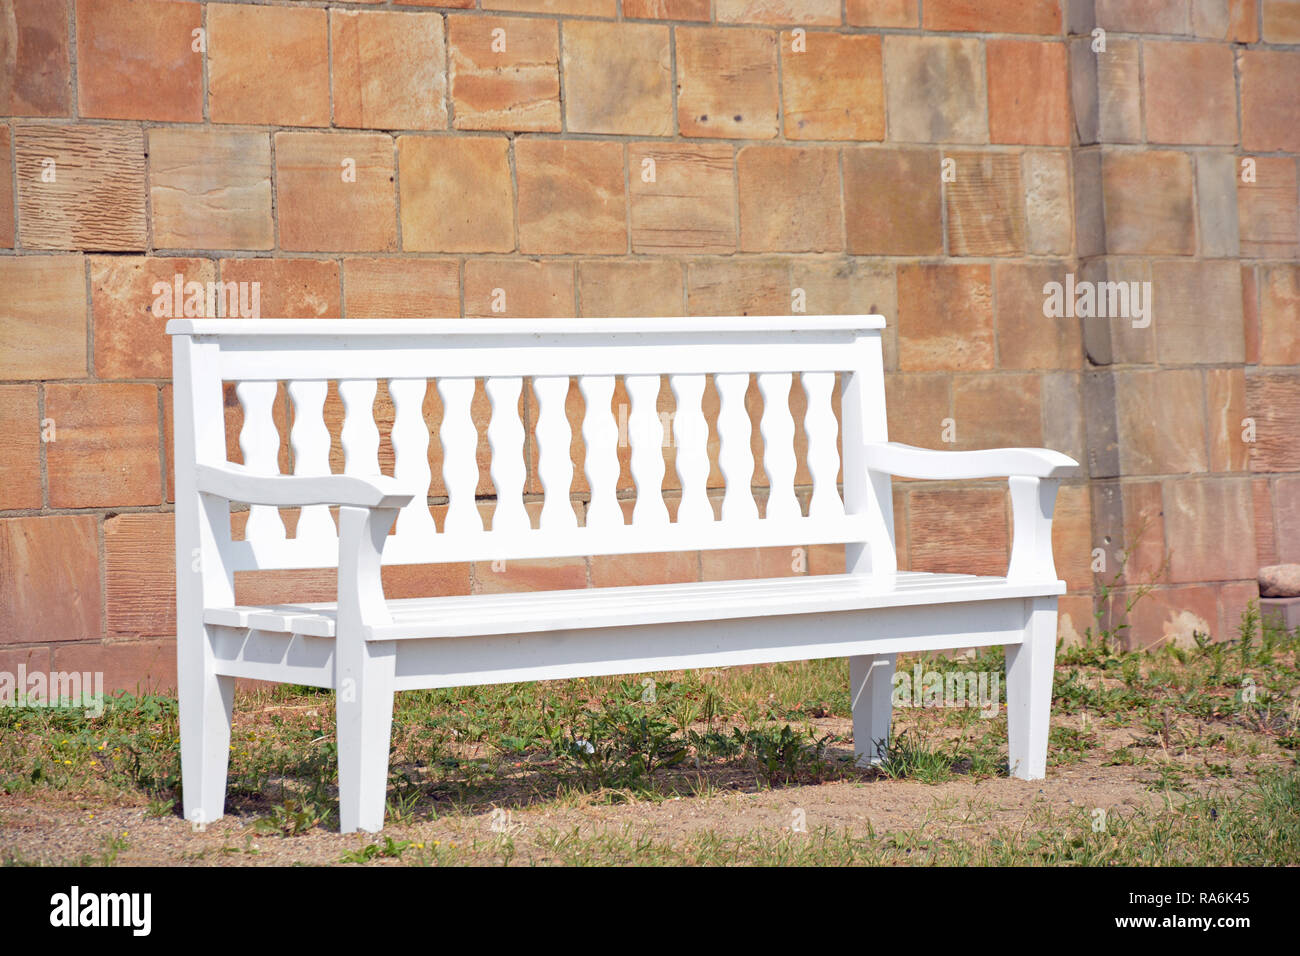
[871, 679]
[1029, 690]
[206, 700]
[364, 705]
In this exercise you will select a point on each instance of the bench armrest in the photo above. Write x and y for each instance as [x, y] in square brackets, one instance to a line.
[236, 483]
[1032, 473]
[908, 461]
[368, 506]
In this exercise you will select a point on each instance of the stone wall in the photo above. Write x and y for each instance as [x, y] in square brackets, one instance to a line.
[939, 162]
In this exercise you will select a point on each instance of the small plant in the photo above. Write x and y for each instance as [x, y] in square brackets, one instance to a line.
[292, 817]
[1125, 756]
[1246, 632]
[651, 744]
[1168, 777]
[1216, 653]
[623, 744]
[1275, 638]
[1103, 646]
[908, 757]
[403, 799]
[387, 849]
[161, 807]
[783, 755]
[685, 712]
[713, 744]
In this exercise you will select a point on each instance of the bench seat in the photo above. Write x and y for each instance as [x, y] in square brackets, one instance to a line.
[532, 612]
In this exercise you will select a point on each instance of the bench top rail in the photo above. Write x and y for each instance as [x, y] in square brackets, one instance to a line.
[290, 349]
[272, 328]
[750, 403]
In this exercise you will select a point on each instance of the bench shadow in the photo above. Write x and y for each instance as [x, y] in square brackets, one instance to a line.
[416, 795]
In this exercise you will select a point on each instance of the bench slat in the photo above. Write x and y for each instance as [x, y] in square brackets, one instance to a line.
[310, 440]
[316, 618]
[823, 460]
[646, 436]
[259, 443]
[600, 435]
[506, 438]
[691, 438]
[410, 438]
[554, 461]
[736, 454]
[479, 545]
[536, 612]
[459, 455]
[359, 435]
[777, 428]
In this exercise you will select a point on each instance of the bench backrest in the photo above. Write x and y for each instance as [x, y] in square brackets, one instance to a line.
[413, 356]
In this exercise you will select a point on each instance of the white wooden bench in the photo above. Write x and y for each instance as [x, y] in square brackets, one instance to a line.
[367, 647]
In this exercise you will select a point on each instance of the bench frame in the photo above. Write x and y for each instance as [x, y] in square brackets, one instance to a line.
[366, 659]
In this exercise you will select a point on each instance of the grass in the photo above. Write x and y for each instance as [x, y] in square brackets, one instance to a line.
[1188, 722]
[1260, 829]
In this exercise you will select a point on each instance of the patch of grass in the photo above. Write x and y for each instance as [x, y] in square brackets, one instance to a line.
[1189, 717]
[132, 746]
[910, 755]
[111, 849]
[622, 744]
[1124, 756]
[1259, 828]
[907, 756]
[1066, 745]
[294, 816]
